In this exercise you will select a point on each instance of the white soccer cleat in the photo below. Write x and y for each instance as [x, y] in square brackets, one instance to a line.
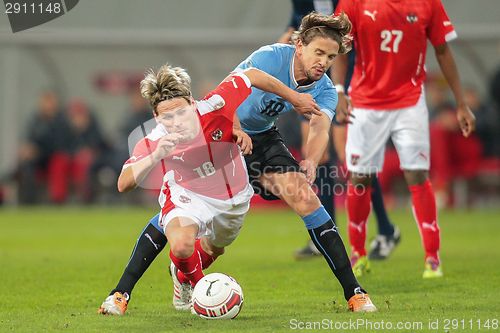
[183, 292]
[115, 304]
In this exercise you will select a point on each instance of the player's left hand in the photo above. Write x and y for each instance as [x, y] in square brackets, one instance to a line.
[466, 120]
[309, 169]
[243, 140]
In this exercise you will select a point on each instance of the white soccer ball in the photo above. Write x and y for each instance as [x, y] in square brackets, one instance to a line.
[217, 296]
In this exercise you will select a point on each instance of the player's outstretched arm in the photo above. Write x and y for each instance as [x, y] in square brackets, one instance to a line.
[303, 103]
[448, 66]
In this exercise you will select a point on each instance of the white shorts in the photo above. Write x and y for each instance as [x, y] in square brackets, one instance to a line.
[370, 129]
[219, 220]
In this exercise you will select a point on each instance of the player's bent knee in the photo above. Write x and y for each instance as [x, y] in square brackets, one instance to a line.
[211, 249]
[360, 179]
[308, 204]
[182, 248]
[416, 177]
[217, 251]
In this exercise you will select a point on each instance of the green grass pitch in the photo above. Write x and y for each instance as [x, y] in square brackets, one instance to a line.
[58, 264]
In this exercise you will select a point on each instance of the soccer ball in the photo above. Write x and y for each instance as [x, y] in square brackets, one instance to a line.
[217, 296]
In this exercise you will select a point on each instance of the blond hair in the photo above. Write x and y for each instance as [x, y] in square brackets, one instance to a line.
[318, 25]
[169, 82]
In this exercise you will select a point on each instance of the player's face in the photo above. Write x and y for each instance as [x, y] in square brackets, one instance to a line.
[315, 58]
[178, 116]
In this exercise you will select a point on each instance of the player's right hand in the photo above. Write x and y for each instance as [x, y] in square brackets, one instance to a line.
[243, 140]
[466, 119]
[166, 145]
[343, 113]
[306, 105]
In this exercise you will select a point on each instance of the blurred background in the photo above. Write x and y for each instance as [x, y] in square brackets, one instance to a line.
[69, 95]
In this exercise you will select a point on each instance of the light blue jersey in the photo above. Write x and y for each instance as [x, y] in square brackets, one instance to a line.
[261, 109]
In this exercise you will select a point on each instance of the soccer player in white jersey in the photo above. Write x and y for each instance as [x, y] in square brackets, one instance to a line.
[205, 192]
[386, 90]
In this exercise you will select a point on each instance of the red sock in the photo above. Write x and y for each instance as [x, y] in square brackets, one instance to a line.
[206, 259]
[190, 269]
[358, 209]
[424, 210]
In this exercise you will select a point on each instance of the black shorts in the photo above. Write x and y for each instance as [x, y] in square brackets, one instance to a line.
[269, 154]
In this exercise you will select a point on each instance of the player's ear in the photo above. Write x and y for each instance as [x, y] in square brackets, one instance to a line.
[299, 46]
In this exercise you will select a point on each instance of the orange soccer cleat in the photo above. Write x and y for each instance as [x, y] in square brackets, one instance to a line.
[115, 304]
[361, 303]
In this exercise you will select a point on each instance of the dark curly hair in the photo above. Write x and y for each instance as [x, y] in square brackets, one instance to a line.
[315, 25]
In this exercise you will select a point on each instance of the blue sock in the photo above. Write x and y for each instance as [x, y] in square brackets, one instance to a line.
[385, 227]
[316, 218]
[155, 221]
[324, 234]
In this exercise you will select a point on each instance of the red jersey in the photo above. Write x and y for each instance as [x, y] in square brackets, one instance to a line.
[211, 164]
[390, 39]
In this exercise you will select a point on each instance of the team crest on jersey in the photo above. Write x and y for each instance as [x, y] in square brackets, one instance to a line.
[184, 199]
[354, 159]
[217, 134]
[412, 18]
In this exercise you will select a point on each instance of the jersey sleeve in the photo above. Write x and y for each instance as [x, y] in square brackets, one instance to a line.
[142, 149]
[440, 29]
[347, 6]
[266, 59]
[228, 95]
[327, 101]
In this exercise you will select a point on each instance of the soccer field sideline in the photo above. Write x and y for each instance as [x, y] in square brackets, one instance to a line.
[59, 264]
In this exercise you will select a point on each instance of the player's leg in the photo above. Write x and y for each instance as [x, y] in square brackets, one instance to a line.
[181, 233]
[384, 225]
[208, 254]
[149, 244]
[292, 187]
[358, 210]
[366, 138]
[425, 214]
[223, 227]
[388, 234]
[411, 139]
[324, 185]
[185, 267]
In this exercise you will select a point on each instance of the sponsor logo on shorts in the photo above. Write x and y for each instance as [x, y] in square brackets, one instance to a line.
[217, 134]
[184, 199]
[354, 159]
[424, 156]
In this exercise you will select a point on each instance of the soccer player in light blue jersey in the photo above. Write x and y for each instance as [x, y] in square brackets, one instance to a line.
[273, 172]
